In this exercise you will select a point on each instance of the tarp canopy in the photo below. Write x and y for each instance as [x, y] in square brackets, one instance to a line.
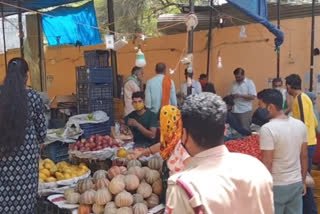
[72, 26]
[31, 5]
[258, 10]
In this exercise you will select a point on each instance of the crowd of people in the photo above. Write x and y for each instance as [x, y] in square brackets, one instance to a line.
[192, 143]
[199, 174]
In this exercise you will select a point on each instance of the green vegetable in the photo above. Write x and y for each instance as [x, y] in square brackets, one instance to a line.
[90, 117]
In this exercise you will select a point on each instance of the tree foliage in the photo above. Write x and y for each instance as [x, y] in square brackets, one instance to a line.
[132, 16]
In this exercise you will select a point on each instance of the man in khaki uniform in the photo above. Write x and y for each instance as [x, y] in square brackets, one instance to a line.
[215, 180]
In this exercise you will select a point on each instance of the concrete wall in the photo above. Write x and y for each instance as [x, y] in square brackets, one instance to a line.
[253, 53]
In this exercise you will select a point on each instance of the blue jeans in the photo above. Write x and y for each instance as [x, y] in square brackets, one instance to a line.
[309, 204]
[287, 198]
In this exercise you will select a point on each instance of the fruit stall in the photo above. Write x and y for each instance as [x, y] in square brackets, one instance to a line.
[88, 167]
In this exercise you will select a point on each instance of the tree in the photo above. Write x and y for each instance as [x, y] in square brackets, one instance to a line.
[132, 16]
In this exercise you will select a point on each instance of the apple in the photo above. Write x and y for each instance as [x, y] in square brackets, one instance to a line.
[83, 140]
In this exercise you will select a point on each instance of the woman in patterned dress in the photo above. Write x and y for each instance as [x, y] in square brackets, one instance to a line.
[22, 128]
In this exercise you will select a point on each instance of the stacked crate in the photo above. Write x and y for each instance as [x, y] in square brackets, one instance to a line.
[95, 84]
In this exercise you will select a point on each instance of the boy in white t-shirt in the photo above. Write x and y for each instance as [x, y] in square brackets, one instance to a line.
[283, 142]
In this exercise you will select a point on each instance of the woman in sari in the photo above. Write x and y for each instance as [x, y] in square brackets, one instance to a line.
[170, 147]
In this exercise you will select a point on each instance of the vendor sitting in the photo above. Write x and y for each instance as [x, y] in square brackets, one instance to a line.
[142, 122]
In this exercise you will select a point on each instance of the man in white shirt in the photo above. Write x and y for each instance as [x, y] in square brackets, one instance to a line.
[283, 143]
[244, 92]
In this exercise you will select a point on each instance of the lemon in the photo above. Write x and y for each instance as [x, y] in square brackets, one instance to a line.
[41, 167]
[41, 180]
[46, 172]
[67, 170]
[48, 165]
[42, 176]
[58, 174]
[62, 163]
[84, 168]
[67, 176]
[48, 161]
[80, 172]
[53, 170]
[50, 179]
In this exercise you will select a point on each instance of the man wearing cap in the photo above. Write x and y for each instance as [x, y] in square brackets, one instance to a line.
[206, 86]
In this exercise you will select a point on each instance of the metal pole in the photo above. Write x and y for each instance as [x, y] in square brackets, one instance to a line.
[312, 46]
[209, 39]
[190, 33]
[278, 51]
[113, 53]
[4, 41]
[20, 32]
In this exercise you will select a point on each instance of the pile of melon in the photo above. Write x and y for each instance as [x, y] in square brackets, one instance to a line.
[120, 190]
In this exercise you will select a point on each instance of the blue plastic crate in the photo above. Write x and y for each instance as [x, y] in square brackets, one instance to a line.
[57, 151]
[90, 129]
[94, 75]
[88, 106]
[86, 91]
[96, 58]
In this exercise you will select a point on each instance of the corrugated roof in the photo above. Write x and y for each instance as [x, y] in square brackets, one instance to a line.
[232, 16]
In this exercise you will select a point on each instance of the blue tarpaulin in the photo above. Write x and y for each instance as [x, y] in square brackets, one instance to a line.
[258, 10]
[72, 25]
